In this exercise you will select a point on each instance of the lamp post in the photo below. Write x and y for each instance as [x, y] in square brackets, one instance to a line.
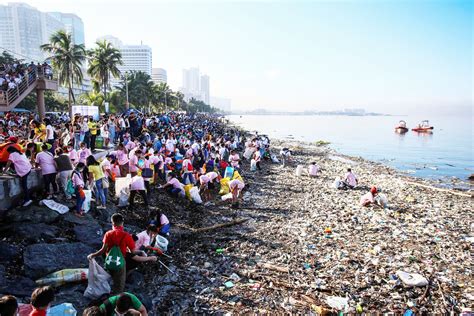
[127, 106]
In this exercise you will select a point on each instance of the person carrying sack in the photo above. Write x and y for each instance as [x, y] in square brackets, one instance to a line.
[115, 245]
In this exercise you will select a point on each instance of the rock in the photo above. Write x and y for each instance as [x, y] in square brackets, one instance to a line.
[2, 276]
[8, 251]
[41, 259]
[18, 286]
[90, 234]
[471, 177]
[71, 218]
[135, 281]
[146, 300]
[33, 232]
[34, 213]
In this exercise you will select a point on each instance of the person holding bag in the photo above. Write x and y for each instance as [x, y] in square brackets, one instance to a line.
[78, 184]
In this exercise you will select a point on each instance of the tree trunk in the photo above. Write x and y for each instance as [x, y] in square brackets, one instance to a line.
[70, 97]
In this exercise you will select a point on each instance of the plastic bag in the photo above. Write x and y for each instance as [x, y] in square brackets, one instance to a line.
[63, 276]
[55, 206]
[226, 197]
[299, 170]
[162, 242]
[87, 202]
[229, 172]
[336, 183]
[237, 176]
[253, 165]
[194, 192]
[120, 183]
[412, 279]
[98, 284]
[64, 309]
[187, 188]
[275, 159]
[224, 186]
[382, 200]
[248, 153]
[123, 197]
[339, 303]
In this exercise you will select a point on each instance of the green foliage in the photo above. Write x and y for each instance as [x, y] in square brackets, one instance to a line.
[54, 102]
[103, 63]
[67, 59]
[7, 58]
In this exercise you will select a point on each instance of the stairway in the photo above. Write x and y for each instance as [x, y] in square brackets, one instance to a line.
[33, 80]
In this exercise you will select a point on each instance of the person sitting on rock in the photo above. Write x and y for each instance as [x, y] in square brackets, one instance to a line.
[313, 169]
[123, 304]
[41, 300]
[135, 258]
[350, 181]
[369, 198]
[144, 237]
[8, 305]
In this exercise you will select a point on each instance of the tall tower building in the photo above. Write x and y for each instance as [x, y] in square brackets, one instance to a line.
[73, 24]
[205, 89]
[159, 75]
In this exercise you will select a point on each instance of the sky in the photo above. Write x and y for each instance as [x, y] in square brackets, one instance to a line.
[396, 57]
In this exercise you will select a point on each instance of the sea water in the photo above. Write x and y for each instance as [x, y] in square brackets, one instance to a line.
[445, 153]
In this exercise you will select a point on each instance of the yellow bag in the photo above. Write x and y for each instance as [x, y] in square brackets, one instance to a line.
[224, 186]
[237, 176]
[187, 188]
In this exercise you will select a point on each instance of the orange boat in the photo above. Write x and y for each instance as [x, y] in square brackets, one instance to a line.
[423, 127]
[401, 127]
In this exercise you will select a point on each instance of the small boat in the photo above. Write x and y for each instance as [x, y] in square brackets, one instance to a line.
[401, 127]
[423, 127]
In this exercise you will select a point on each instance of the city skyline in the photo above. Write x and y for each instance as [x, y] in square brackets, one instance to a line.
[302, 55]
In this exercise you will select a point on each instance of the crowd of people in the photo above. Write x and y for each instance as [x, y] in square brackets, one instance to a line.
[11, 75]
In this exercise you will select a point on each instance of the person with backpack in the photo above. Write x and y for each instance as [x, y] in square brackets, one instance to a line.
[116, 244]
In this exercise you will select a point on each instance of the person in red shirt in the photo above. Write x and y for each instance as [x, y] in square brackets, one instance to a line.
[41, 299]
[116, 237]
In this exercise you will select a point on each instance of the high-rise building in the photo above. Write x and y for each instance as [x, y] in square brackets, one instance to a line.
[134, 58]
[205, 89]
[23, 29]
[195, 86]
[73, 24]
[158, 75]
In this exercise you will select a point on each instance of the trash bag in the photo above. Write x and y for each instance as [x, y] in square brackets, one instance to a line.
[187, 188]
[64, 309]
[224, 186]
[275, 159]
[248, 153]
[162, 243]
[63, 276]
[55, 206]
[120, 183]
[123, 197]
[337, 183]
[194, 192]
[87, 202]
[382, 200]
[412, 279]
[226, 197]
[299, 170]
[338, 303]
[237, 176]
[98, 284]
[253, 165]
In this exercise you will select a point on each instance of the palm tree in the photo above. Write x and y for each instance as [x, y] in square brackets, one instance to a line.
[140, 89]
[66, 58]
[93, 98]
[162, 94]
[104, 61]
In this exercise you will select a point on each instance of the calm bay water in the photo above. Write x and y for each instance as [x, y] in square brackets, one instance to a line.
[447, 152]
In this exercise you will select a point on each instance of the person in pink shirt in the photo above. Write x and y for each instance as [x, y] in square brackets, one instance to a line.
[83, 153]
[234, 159]
[350, 180]
[72, 154]
[145, 237]
[22, 167]
[236, 187]
[137, 186]
[204, 186]
[45, 160]
[78, 183]
[173, 185]
[369, 198]
[122, 159]
[313, 170]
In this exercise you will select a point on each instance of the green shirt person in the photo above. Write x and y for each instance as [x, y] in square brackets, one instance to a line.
[125, 303]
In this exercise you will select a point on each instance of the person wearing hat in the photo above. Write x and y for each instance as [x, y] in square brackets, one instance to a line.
[369, 198]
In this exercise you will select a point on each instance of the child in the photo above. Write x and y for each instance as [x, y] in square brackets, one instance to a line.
[163, 225]
[41, 299]
[78, 183]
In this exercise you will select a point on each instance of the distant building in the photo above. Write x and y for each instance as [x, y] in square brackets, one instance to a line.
[221, 104]
[134, 58]
[158, 75]
[195, 85]
[23, 29]
[73, 24]
[205, 89]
